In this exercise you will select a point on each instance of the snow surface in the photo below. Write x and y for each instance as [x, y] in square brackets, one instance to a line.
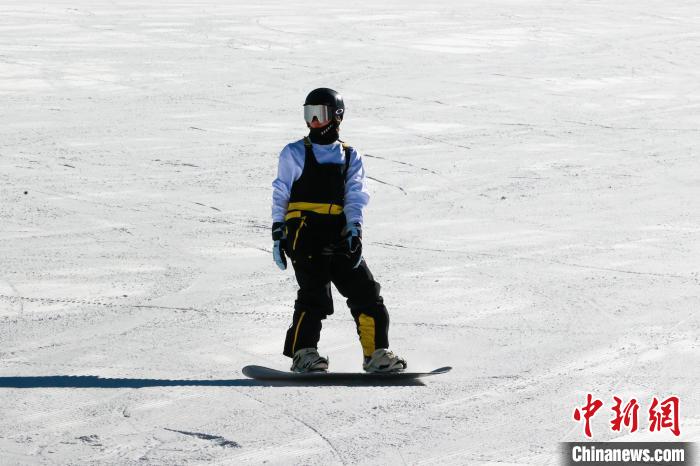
[535, 223]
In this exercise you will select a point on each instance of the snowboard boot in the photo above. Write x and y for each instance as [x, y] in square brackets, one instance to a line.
[383, 360]
[308, 360]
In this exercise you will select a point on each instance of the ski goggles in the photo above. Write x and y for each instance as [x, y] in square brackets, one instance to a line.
[323, 113]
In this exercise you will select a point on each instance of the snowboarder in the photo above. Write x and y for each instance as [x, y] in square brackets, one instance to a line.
[317, 203]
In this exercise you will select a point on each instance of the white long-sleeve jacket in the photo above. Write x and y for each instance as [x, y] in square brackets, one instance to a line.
[291, 165]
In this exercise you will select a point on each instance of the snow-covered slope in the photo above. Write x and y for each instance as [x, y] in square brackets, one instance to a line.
[534, 223]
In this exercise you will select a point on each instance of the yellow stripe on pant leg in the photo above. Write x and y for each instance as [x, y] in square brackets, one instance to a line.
[296, 236]
[296, 332]
[366, 328]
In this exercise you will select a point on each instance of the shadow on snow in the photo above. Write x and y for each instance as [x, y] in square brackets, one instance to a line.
[90, 381]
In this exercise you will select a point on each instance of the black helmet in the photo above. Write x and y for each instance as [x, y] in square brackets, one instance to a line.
[328, 98]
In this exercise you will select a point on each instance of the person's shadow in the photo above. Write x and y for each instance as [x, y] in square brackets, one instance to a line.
[91, 381]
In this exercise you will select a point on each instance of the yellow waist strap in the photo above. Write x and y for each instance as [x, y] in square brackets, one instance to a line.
[294, 209]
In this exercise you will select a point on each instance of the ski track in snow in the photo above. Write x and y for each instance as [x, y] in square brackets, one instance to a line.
[533, 223]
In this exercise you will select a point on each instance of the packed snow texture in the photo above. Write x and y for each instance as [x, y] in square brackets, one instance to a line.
[534, 222]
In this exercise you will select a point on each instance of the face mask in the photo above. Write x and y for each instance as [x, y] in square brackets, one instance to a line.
[326, 135]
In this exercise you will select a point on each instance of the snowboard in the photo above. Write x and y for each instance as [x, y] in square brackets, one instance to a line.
[274, 375]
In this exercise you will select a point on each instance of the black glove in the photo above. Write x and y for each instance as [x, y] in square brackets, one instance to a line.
[279, 236]
[353, 237]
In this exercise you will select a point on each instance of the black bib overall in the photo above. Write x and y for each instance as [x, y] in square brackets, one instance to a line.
[315, 245]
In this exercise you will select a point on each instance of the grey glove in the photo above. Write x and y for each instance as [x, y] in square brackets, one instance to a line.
[279, 238]
[353, 237]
